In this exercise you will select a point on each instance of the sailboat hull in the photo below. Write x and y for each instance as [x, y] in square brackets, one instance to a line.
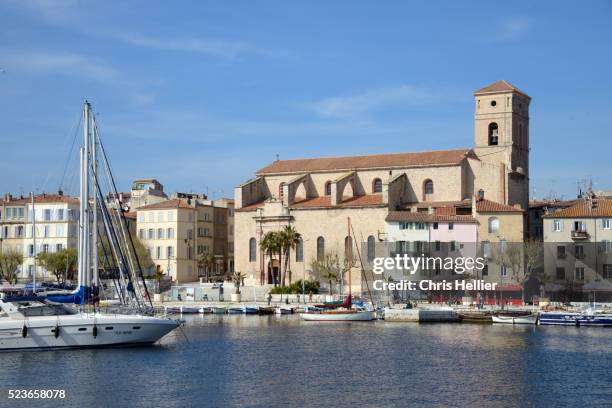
[339, 316]
[77, 331]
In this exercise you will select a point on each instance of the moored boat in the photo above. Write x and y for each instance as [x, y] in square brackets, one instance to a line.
[218, 310]
[281, 310]
[44, 326]
[475, 317]
[564, 318]
[339, 316]
[515, 318]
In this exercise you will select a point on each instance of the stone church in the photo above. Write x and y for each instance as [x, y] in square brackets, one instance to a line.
[317, 195]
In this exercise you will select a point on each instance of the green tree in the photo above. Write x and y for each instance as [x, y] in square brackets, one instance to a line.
[289, 238]
[326, 269]
[9, 262]
[61, 264]
[107, 262]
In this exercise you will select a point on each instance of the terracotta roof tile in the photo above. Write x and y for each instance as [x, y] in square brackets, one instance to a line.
[552, 203]
[439, 157]
[252, 206]
[600, 207]
[325, 201]
[174, 203]
[499, 86]
[487, 206]
[396, 216]
[43, 198]
[438, 204]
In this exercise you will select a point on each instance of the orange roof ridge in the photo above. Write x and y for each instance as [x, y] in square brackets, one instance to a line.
[499, 86]
[387, 160]
[602, 207]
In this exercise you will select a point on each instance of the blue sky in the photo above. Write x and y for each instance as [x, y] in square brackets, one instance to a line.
[202, 94]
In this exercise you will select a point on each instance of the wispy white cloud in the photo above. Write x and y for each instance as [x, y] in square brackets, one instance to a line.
[358, 104]
[69, 14]
[43, 63]
[210, 46]
[511, 29]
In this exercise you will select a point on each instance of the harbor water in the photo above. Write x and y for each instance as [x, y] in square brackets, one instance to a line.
[281, 361]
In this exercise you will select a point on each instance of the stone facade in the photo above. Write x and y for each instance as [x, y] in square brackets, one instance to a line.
[318, 195]
[57, 219]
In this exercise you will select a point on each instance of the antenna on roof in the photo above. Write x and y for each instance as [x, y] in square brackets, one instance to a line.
[277, 156]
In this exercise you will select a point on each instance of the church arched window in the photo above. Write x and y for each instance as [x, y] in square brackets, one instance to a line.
[493, 134]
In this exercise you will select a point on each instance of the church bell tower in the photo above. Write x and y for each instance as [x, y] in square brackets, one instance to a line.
[501, 139]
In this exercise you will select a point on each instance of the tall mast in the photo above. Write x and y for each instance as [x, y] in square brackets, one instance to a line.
[348, 255]
[84, 205]
[35, 252]
[94, 175]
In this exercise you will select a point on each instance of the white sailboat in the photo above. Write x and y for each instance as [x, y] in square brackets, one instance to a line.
[44, 324]
[345, 311]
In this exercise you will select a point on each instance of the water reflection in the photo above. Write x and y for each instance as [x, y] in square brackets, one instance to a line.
[271, 361]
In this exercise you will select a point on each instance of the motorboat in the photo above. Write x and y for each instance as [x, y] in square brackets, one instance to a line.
[283, 310]
[563, 318]
[42, 326]
[50, 322]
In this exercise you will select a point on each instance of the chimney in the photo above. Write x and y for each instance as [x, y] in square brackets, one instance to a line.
[481, 194]
[60, 193]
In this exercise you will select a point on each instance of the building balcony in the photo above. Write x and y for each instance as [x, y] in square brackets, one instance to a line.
[580, 235]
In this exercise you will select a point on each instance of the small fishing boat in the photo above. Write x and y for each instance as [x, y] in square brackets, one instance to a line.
[282, 310]
[250, 310]
[518, 317]
[218, 310]
[172, 309]
[190, 309]
[266, 310]
[205, 310]
[475, 317]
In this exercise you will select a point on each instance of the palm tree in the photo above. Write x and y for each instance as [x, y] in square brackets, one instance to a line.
[238, 279]
[270, 245]
[289, 238]
[206, 261]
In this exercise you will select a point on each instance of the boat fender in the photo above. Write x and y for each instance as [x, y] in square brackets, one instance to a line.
[24, 331]
[56, 332]
[95, 331]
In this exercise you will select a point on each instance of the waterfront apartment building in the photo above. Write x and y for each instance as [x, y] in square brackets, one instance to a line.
[458, 229]
[57, 219]
[578, 249]
[181, 231]
[318, 195]
[143, 192]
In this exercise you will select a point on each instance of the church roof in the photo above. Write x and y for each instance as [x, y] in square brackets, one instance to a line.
[373, 161]
[499, 86]
[594, 208]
